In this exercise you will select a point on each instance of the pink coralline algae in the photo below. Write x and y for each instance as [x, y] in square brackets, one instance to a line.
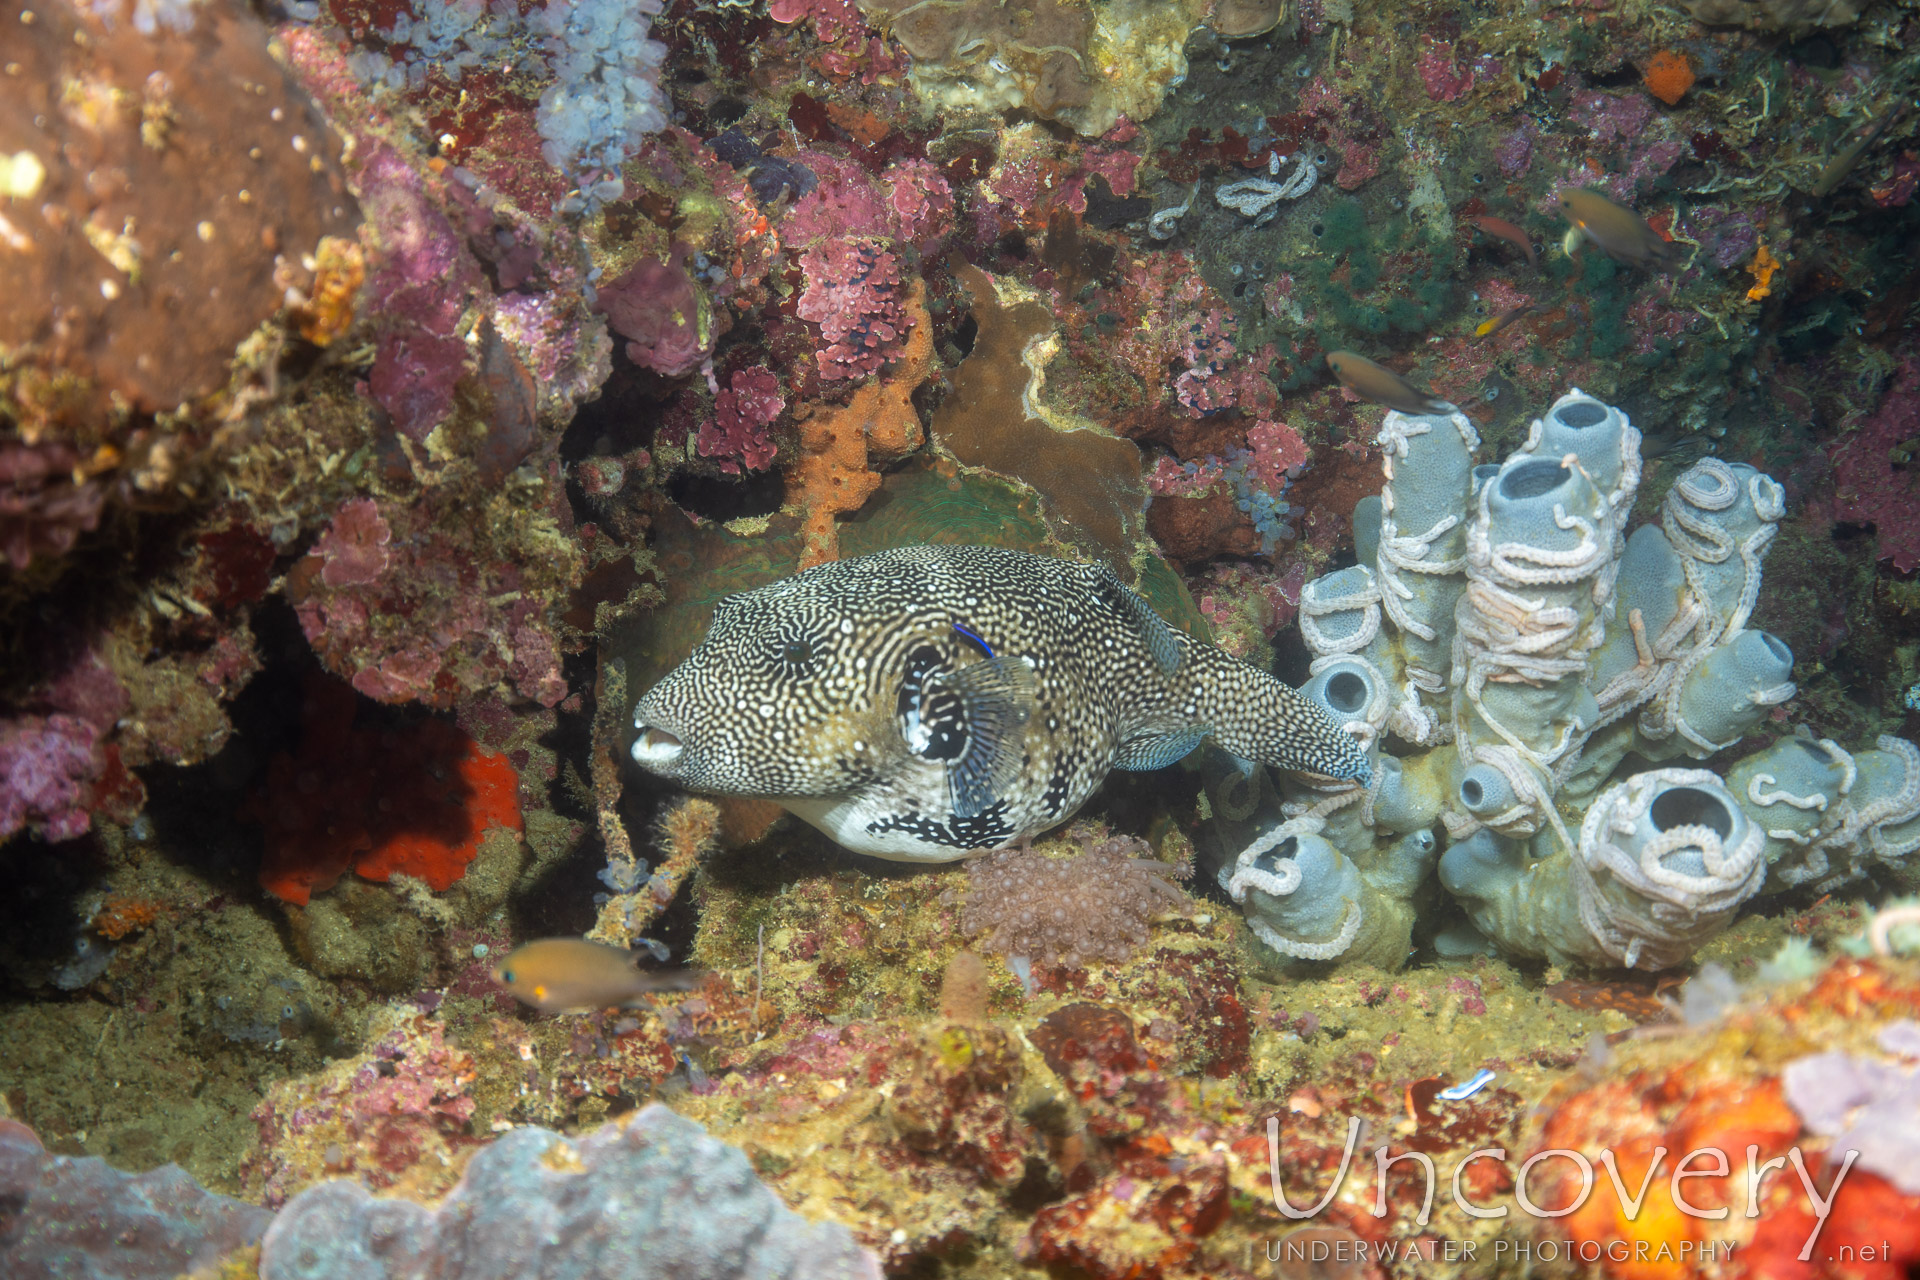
[845, 203]
[421, 285]
[737, 432]
[1442, 75]
[920, 202]
[423, 616]
[853, 295]
[47, 767]
[849, 48]
[42, 508]
[56, 758]
[1867, 486]
[663, 314]
[1727, 237]
[832, 19]
[354, 546]
[1611, 115]
[406, 1100]
[1278, 454]
[1514, 154]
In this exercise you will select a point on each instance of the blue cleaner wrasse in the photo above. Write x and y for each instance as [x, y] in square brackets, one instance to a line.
[559, 975]
[1847, 157]
[1618, 231]
[1381, 385]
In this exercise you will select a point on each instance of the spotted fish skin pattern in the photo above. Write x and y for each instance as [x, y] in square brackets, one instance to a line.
[933, 702]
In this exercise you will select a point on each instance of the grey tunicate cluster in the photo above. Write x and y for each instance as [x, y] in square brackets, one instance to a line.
[1530, 661]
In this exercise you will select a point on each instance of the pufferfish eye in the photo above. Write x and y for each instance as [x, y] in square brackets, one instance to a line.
[796, 653]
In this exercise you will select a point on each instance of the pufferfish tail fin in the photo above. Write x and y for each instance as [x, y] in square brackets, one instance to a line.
[1258, 718]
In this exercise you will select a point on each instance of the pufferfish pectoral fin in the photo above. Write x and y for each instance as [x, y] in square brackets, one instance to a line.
[995, 700]
[1157, 751]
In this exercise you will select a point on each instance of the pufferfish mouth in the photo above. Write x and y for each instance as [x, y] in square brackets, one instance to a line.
[656, 748]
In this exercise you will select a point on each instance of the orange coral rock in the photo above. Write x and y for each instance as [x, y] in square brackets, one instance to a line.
[120, 915]
[339, 269]
[1668, 75]
[1762, 267]
[413, 800]
[879, 424]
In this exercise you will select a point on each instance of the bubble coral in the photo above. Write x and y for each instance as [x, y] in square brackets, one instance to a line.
[1092, 905]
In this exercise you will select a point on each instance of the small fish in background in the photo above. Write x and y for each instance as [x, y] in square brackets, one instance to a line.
[1494, 324]
[1847, 157]
[560, 975]
[1372, 382]
[1501, 229]
[1616, 231]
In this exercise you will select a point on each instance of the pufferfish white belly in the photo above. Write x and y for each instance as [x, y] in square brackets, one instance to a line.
[929, 703]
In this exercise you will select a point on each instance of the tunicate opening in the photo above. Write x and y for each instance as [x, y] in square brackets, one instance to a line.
[1776, 647]
[1472, 794]
[1581, 413]
[1346, 691]
[1814, 750]
[1533, 478]
[1270, 861]
[1691, 807]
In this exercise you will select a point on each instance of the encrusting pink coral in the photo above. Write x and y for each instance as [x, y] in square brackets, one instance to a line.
[1868, 486]
[354, 546]
[742, 412]
[663, 313]
[853, 294]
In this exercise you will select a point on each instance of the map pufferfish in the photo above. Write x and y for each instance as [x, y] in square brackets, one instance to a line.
[933, 702]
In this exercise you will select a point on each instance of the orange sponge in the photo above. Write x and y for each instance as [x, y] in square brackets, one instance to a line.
[1668, 76]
